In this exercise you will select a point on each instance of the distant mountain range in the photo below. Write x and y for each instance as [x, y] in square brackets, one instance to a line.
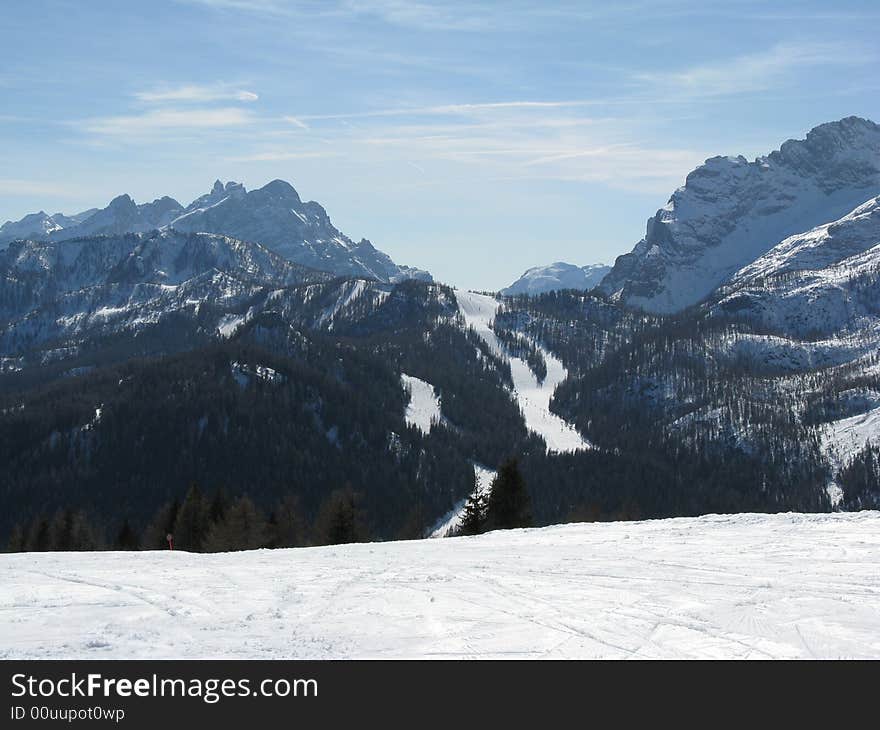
[731, 362]
[559, 275]
[273, 216]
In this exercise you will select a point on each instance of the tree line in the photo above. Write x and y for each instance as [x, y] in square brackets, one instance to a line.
[506, 505]
[209, 523]
[203, 522]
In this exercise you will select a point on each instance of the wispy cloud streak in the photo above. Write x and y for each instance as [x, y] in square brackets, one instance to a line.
[195, 93]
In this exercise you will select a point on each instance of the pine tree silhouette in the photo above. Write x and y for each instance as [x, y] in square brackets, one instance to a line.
[126, 539]
[509, 502]
[193, 521]
[473, 519]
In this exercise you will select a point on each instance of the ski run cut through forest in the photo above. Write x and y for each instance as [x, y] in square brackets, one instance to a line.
[738, 586]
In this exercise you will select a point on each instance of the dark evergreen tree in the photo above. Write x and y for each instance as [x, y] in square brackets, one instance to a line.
[83, 533]
[242, 528]
[219, 505]
[339, 519]
[160, 526]
[415, 523]
[473, 519]
[126, 539]
[286, 525]
[193, 521]
[61, 530]
[16, 539]
[38, 535]
[509, 504]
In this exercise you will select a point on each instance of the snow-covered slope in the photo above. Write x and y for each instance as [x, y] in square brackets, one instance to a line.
[731, 211]
[739, 586]
[818, 283]
[843, 439]
[423, 409]
[558, 275]
[33, 225]
[533, 397]
[819, 247]
[82, 288]
[40, 226]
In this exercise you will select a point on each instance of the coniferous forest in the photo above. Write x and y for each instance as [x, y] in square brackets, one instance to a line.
[283, 436]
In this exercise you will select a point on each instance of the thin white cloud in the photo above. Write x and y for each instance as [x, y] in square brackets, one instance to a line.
[196, 93]
[164, 120]
[751, 72]
[296, 122]
[446, 109]
[509, 140]
[18, 187]
[421, 15]
[414, 14]
[280, 156]
[253, 6]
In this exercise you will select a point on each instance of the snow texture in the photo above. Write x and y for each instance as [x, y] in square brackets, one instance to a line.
[533, 398]
[423, 409]
[737, 586]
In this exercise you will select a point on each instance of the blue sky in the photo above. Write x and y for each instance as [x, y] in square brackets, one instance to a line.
[472, 139]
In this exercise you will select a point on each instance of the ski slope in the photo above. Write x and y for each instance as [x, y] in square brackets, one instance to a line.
[843, 440]
[741, 586]
[478, 311]
[423, 409]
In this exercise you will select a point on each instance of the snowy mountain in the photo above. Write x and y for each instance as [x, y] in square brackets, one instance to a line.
[558, 275]
[76, 290]
[276, 217]
[40, 226]
[123, 215]
[731, 211]
[273, 216]
[819, 247]
[819, 283]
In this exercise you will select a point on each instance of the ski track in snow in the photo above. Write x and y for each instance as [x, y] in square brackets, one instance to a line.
[423, 409]
[737, 586]
[533, 398]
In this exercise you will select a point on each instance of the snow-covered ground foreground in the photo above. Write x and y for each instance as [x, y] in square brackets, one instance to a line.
[745, 586]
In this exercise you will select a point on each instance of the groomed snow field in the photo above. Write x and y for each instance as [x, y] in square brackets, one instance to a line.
[743, 586]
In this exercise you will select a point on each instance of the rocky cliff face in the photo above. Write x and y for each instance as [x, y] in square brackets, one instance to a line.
[731, 211]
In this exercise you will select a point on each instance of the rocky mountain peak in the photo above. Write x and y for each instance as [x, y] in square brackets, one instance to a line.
[731, 211]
